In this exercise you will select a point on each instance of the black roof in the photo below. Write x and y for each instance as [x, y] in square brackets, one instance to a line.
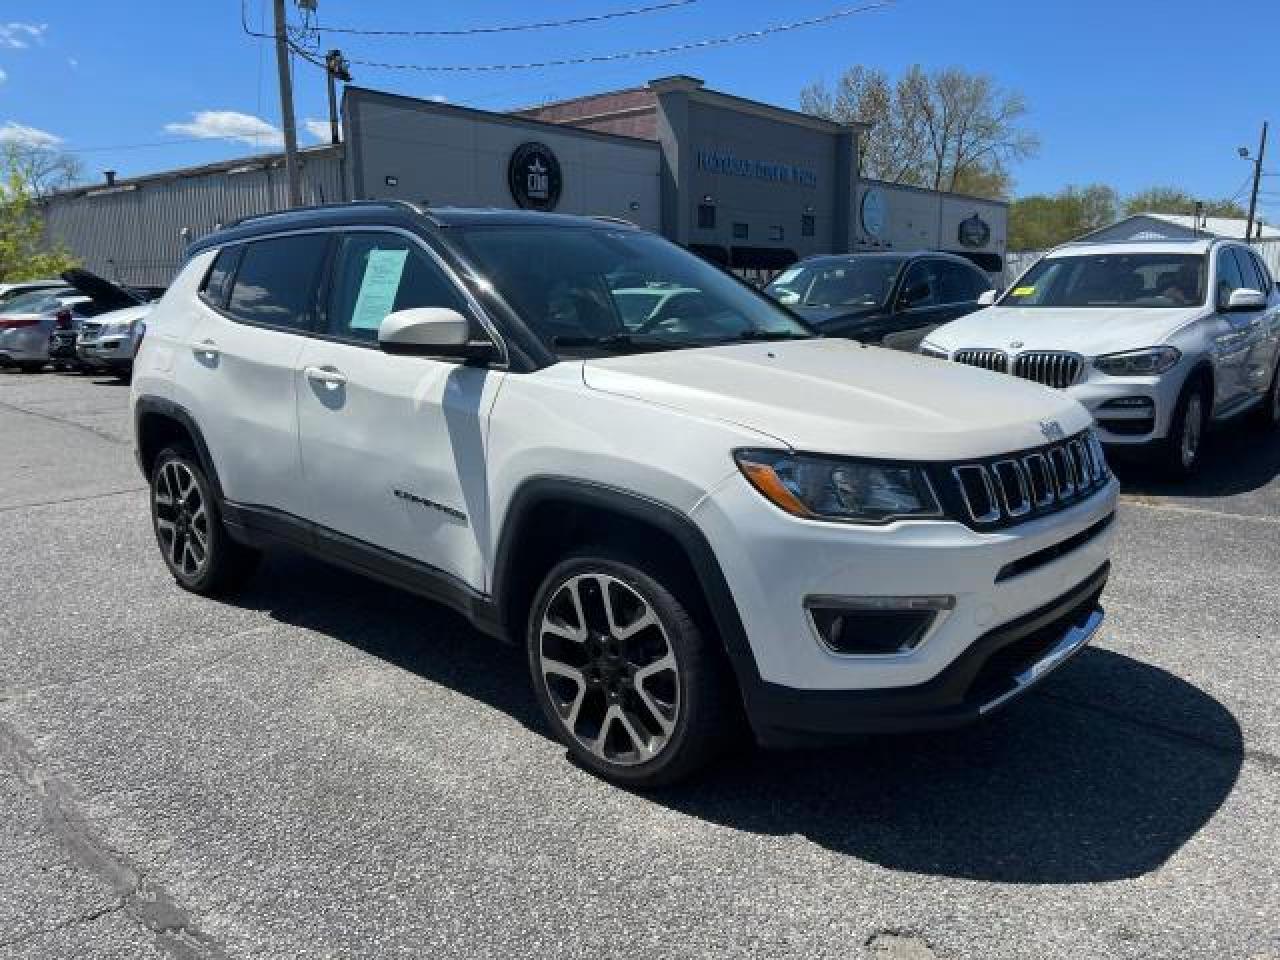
[884, 255]
[388, 213]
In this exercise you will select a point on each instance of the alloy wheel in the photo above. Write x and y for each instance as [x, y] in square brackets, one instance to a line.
[609, 669]
[1192, 428]
[182, 519]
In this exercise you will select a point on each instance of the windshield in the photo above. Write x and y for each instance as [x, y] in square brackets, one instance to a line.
[1112, 280]
[39, 301]
[865, 282]
[584, 287]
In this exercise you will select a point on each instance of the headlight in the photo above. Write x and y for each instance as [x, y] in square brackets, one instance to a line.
[1138, 363]
[927, 349]
[853, 491]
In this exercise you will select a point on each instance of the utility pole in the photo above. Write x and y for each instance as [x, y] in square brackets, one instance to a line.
[286, 109]
[335, 68]
[1257, 176]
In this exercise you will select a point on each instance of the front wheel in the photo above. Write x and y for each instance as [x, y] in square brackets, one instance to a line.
[188, 524]
[622, 672]
[1182, 452]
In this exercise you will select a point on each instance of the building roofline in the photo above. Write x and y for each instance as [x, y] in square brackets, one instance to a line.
[254, 161]
[696, 90]
[935, 193]
[579, 99]
[369, 93]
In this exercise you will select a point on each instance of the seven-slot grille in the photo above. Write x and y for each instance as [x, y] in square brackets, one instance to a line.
[1052, 369]
[996, 360]
[1020, 486]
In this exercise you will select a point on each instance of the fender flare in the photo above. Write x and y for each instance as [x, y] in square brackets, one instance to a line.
[671, 521]
[151, 405]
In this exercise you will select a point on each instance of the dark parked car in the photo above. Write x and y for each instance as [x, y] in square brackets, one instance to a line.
[893, 299]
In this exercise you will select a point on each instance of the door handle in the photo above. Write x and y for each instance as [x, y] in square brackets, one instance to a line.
[209, 349]
[332, 379]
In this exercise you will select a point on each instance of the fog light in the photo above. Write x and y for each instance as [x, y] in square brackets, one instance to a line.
[874, 626]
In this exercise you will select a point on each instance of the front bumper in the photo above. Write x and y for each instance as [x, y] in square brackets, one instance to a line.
[1118, 424]
[1000, 666]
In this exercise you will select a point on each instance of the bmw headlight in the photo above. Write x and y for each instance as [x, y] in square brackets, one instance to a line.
[927, 349]
[854, 491]
[1151, 361]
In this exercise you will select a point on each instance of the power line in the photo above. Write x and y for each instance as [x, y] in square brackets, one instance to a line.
[511, 27]
[633, 54]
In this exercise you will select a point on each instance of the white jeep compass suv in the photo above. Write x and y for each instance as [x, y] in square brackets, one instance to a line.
[684, 517]
[1157, 338]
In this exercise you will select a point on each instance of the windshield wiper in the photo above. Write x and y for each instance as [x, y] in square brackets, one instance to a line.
[620, 342]
[773, 335]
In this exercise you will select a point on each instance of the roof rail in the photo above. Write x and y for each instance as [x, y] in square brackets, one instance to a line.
[346, 204]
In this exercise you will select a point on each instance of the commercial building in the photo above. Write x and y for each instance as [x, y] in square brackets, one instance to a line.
[747, 184]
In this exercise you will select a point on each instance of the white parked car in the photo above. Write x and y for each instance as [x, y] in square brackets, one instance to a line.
[1157, 339]
[719, 515]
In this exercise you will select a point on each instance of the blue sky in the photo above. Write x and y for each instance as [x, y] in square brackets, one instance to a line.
[1127, 92]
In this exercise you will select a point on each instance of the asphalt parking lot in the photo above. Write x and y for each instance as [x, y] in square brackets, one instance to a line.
[328, 768]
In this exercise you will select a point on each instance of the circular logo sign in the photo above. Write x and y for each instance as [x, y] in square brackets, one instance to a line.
[874, 212]
[534, 177]
[974, 232]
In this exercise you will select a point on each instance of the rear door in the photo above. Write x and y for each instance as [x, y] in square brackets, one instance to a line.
[237, 368]
[393, 447]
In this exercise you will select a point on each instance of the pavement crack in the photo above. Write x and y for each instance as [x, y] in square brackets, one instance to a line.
[1152, 503]
[147, 903]
[90, 496]
[100, 434]
[87, 917]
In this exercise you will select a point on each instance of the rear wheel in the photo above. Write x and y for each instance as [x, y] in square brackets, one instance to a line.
[1183, 448]
[32, 367]
[622, 672]
[193, 540]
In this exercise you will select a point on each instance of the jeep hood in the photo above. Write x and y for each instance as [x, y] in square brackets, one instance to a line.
[1090, 331]
[836, 396]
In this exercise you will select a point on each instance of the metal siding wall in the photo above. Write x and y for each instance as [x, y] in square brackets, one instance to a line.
[135, 235]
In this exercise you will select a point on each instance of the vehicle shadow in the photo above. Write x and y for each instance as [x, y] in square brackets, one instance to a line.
[1101, 775]
[1235, 461]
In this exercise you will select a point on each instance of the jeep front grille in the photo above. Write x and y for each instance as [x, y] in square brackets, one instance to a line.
[996, 360]
[1018, 487]
[1050, 368]
[89, 331]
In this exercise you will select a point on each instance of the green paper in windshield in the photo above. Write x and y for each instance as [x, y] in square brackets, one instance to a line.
[378, 288]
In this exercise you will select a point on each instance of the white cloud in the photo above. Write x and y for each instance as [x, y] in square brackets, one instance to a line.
[319, 128]
[3, 76]
[18, 133]
[72, 62]
[229, 125]
[19, 36]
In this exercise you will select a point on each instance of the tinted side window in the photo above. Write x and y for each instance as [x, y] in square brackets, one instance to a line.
[1229, 279]
[1249, 270]
[217, 281]
[376, 273]
[276, 282]
[922, 282]
[957, 283]
[1264, 273]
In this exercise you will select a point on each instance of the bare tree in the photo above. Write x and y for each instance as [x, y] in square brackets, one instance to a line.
[42, 169]
[949, 129]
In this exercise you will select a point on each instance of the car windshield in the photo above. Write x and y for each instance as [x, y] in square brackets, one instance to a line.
[38, 301]
[1112, 280]
[593, 288]
[860, 282]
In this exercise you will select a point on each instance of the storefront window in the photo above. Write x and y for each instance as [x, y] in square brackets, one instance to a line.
[739, 231]
[706, 216]
[807, 225]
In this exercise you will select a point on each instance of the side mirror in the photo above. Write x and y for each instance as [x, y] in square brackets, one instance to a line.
[1246, 299]
[432, 332]
[987, 297]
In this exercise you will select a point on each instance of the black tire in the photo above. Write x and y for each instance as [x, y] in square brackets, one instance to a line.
[32, 367]
[213, 563]
[1183, 449]
[1268, 415]
[697, 697]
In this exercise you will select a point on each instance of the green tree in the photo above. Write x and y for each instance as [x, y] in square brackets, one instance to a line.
[1179, 201]
[948, 129]
[25, 252]
[1041, 221]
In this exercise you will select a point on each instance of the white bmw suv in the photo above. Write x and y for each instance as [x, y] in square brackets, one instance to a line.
[1158, 339]
[685, 517]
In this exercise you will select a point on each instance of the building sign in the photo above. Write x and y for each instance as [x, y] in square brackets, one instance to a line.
[874, 212]
[974, 232]
[723, 161]
[534, 177]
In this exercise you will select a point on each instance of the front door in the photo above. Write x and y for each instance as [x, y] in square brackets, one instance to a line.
[1235, 335]
[393, 447]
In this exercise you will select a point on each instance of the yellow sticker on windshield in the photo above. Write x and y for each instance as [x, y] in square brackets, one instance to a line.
[1023, 291]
